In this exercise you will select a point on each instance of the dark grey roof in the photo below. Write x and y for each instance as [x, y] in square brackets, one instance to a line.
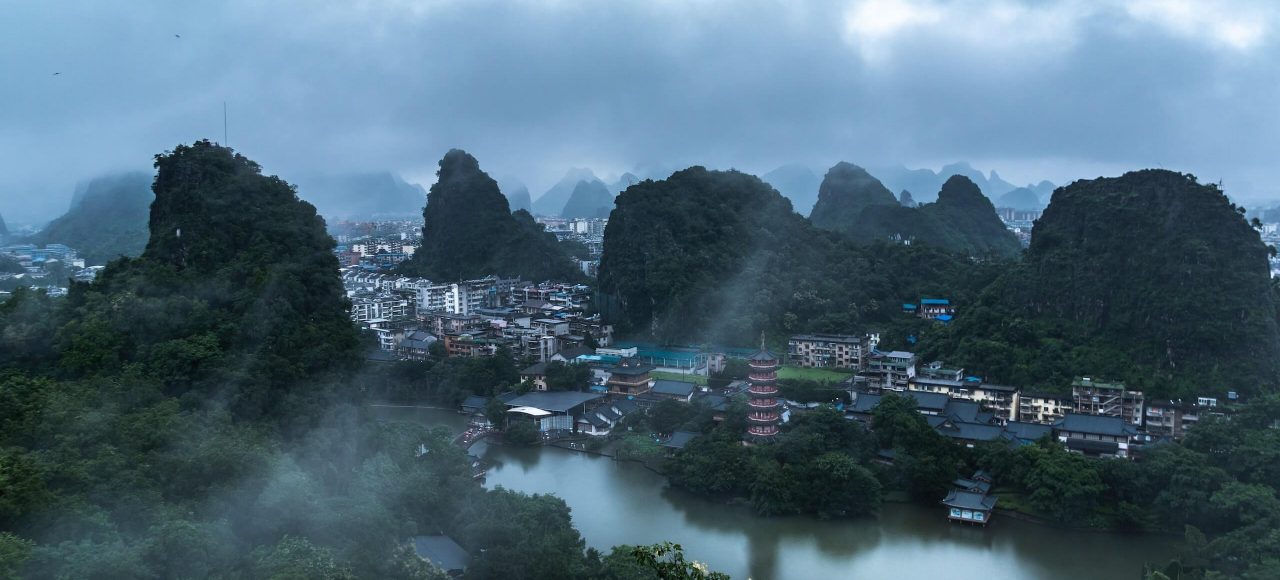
[475, 402]
[930, 401]
[716, 402]
[535, 369]
[624, 406]
[675, 388]
[1027, 431]
[574, 352]
[763, 356]
[507, 396]
[966, 411]
[679, 439]
[630, 370]
[441, 551]
[938, 382]
[554, 401]
[595, 420]
[865, 403]
[1094, 424]
[971, 485]
[1092, 445]
[608, 413]
[970, 431]
[968, 500]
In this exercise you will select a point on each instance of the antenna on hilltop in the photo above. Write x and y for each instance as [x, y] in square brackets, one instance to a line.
[225, 143]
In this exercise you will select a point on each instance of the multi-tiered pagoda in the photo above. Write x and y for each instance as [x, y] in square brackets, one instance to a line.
[763, 408]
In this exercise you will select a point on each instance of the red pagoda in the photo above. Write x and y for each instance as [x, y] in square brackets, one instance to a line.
[763, 414]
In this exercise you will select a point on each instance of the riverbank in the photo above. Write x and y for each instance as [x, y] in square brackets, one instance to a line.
[616, 502]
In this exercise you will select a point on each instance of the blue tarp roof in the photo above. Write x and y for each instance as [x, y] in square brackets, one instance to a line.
[935, 301]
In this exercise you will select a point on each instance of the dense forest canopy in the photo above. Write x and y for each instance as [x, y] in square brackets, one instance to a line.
[720, 255]
[107, 219]
[469, 231]
[199, 411]
[845, 191]
[1149, 277]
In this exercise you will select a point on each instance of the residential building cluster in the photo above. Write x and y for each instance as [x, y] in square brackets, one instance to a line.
[50, 268]
[473, 317]
[1097, 417]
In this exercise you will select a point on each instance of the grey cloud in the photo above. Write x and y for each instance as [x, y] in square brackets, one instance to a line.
[533, 88]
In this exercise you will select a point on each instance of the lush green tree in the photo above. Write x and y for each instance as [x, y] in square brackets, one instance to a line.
[668, 562]
[521, 432]
[511, 535]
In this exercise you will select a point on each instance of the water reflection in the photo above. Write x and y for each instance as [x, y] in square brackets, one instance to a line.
[623, 503]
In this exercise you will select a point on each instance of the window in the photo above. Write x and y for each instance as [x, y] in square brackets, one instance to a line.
[978, 516]
[955, 512]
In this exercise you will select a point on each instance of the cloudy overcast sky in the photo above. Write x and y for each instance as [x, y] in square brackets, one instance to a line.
[1054, 89]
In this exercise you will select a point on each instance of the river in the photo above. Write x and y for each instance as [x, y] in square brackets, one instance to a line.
[624, 503]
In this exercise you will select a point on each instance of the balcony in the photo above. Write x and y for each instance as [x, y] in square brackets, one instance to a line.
[763, 418]
[765, 390]
[763, 403]
[762, 430]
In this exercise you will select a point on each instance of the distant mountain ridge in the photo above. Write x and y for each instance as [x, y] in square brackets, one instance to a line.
[924, 183]
[362, 195]
[1022, 198]
[853, 202]
[517, 194]
[107, 220]
[551, 203]
[590, 199]
[797, 183]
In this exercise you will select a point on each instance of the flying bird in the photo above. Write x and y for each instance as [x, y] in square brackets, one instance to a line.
[177, 36]
[56, 74]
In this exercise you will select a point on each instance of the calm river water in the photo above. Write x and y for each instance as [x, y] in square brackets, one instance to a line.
[624, 503]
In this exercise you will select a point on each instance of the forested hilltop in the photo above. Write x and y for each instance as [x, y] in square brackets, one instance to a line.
[962, 220]
[469, 231]
[107, 219]
[720, 255]
[199, 412]
[1149, 277]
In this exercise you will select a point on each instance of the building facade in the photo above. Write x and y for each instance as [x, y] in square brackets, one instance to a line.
[842, 351]
[763, 415]
[1093, 397]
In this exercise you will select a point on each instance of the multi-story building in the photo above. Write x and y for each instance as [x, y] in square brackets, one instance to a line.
[938, 370]
[629, 378]
[890, 370]
[1041, 407]
[1096, 435]
[826, 351]
[764, 404]
[1094, 397]
[463, 297]
[367, 306]
[936, 309]
[998, 399]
